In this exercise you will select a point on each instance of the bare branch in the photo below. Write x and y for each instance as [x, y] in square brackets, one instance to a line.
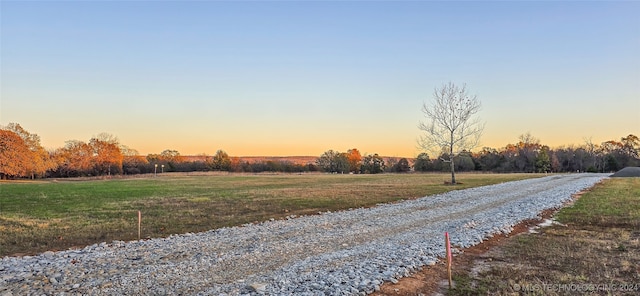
[451, 121]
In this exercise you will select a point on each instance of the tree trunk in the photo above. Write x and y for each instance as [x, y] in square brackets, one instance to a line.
[453, 174]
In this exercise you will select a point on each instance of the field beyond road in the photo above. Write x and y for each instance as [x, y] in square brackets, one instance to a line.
[37, 216]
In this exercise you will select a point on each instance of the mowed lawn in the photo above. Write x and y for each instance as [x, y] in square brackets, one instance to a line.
[36, 216]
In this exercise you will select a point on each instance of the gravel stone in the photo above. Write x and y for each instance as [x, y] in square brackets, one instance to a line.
[334, 253]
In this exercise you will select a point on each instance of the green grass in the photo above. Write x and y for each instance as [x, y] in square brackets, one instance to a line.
[44, 215]
[600, 244]
[614, 203]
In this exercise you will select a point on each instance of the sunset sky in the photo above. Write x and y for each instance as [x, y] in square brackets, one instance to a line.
[300, 77]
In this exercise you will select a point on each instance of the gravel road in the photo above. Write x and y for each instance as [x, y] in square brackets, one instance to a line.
[341, 253]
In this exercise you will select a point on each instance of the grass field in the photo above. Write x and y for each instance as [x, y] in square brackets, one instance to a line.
[57, 214]
[596, 250]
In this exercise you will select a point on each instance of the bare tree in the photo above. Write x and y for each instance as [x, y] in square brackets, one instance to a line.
[594, 154]
[451, 122]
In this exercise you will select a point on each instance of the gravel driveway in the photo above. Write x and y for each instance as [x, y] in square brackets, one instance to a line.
[341, 253]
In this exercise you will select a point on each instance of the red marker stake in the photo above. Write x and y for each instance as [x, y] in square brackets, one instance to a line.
[139, 222]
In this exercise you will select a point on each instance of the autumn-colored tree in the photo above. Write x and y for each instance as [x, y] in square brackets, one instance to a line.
[74, 159]
[236, 164]
[14, 155]
[101, 156]
[39, 160]
[354, 158]
[107, 157]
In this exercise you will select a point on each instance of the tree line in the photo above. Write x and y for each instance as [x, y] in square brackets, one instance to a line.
[352, 162]
[529, 156]
[22, 156]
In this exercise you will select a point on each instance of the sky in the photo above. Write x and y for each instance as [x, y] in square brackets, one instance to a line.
[293, 78]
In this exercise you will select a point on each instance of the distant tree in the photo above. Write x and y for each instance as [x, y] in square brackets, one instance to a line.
[422, 163]
[169, 155]
[235, 165]
[451, 122]
[489, 159]
[625, 152]
[439, 164]
[580, 158]
[107, 157]
[333, 162]
[74, 159]
[611, 163]
[14, 155]
[327, 161]
[372, 164]
[354, 158]
[154, 158]
[245, 166]
[402, 166]
[135, 164]
[221, 161]
[528, 149]
[342, 163]
[631, 146]
[464, 162]
[594, 154]
[128, 151]
[508, 159]
[38, 159]
[390, 164]
[612, 146]
[171, 158]
[310, 167]
[555, 162]
[543, 161]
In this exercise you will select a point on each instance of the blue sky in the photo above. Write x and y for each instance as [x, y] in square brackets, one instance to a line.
[302, 77]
